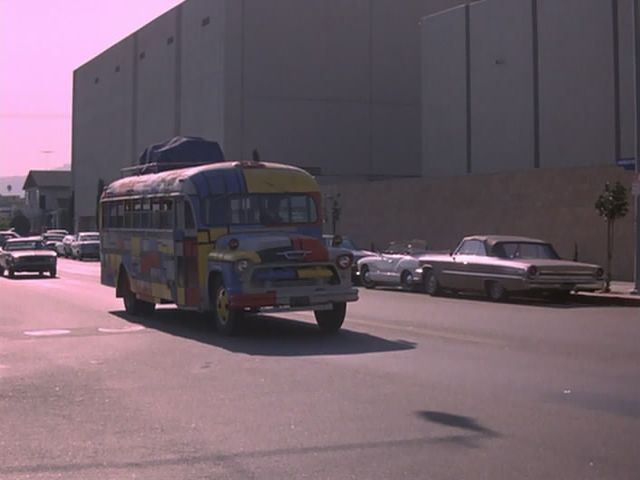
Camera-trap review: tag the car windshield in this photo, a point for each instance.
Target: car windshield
(348, 244)
(525, 250)
(89, 238)
(25, 245)
(260, 209)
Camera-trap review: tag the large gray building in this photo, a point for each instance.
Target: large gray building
(330, 84)
(465, 99)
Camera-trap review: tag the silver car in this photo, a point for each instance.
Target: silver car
(86, 245)
(397, 265)
(500, 265)
(27, 254)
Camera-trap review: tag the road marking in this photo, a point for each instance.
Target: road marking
(46, 333)
(132, 328)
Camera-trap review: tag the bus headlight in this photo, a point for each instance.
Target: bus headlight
(242, 265)
(344, 261)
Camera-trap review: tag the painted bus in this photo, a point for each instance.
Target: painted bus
(228, 238)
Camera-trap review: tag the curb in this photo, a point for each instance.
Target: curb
(611, 299)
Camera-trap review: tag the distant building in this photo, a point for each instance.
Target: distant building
(48, 199)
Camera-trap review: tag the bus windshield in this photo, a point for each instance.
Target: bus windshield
(260, 209)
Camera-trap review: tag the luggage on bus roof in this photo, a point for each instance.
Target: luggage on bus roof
(178, 152)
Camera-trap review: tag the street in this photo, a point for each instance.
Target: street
(412, 387)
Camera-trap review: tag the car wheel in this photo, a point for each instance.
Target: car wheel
(132, 304)
(226, 317)
(41, 274)
(12, 273)
(406, 280)
(330, 321)
(431, 283)
(1, 271)
(496, 291)
(53, 272)
(365, 277)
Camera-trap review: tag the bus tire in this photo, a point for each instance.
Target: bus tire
(226, 318)
(330, 321)
(132, 304)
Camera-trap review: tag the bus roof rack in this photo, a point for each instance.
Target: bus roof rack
(157, 168)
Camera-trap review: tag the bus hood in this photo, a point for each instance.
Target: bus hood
(275, 247)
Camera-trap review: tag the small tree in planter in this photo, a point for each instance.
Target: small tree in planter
(612, 204)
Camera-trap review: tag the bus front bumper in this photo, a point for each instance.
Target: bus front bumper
(286, 300)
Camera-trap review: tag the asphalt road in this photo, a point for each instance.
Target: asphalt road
(413, 387)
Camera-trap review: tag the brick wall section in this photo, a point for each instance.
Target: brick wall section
(553, 204)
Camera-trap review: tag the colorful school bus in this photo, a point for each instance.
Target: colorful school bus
(229, 238)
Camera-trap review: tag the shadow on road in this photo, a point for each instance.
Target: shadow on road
(476, 431)
(267, 335)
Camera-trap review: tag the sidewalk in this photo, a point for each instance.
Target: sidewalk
(620, 294)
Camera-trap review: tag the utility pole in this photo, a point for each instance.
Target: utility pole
(636, 198)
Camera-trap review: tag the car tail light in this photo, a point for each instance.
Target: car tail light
(344, 261)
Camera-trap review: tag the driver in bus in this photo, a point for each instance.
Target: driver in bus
(270, 211)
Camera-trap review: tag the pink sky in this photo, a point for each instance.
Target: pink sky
(41, 43)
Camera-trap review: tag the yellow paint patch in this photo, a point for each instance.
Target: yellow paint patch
(203, 237)
(135, 246)
(216, 233)
(181, 297)
(278, 180)
(233, 256)
(314, 272)
(165, 248)
(161, 291)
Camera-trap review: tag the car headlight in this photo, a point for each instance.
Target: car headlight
(242, 265)
(532, 271)
(599, 273)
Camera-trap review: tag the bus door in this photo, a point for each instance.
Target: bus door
(186, 252)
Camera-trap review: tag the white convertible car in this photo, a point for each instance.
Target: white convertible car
(397, 265)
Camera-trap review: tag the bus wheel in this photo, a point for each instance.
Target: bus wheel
(132, 304)
(330, 321)
(226, 317)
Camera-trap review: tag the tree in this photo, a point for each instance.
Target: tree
(612, 204)
(20, 223)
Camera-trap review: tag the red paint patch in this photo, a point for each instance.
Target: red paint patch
(192, 296)
(319, 252)
(253, 300)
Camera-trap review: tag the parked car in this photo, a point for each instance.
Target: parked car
(347, 243)
(58, 231)
(53, 241)
(66, 244)
(6, 235)
(86, 245)
(501, 265)
(396, 265)
(27, 254)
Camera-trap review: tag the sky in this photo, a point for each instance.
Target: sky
(41, 43)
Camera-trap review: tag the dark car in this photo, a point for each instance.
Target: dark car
(28, 254)
(6, 235)
(499, 265)
(348, 244)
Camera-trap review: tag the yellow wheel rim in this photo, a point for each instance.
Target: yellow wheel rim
(222, 305)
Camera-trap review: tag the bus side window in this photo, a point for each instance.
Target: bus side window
(166, 214)
(128, 213)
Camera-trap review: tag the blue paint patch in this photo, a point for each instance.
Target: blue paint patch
(272, 274)
(216, 181)
(231, 278)
(202, 187)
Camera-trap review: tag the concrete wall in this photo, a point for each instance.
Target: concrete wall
(502, 101)
(576, 83)
(556, 204)
(550, 84)
(444, 94)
